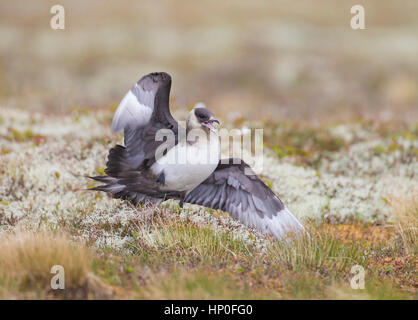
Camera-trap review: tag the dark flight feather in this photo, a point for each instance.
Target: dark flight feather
(246, 198)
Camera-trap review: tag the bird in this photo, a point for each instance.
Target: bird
(162, 160)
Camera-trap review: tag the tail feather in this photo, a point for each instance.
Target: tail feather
(116, 182)
(117, 162)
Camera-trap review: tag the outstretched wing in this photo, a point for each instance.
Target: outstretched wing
(142, 112)
(246, 198)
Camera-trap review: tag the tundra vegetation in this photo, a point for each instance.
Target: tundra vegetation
(339, 112)
(353, 185)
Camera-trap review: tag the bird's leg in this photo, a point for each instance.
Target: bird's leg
(181, 203)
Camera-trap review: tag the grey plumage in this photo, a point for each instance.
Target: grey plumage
(246, 198)
(136, 185)
(134, 174)
(145, 111)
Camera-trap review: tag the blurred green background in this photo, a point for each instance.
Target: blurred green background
(278, 60)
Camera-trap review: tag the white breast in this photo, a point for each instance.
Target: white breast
(186, 165)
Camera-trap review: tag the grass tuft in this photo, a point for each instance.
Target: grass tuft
(26, 259)
(406, 214)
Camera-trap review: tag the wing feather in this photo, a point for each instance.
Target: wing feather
(135, 109)
(142, 112)
(247, 199)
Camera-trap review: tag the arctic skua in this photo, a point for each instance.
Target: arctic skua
(161, 160)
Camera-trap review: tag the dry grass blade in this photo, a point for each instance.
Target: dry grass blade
(406, 215)
(26, 259)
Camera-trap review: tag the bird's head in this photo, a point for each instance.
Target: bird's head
(201, 118)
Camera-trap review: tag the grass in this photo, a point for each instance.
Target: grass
(172, 257)
(186, 261)
(340, 135)
(111, 250)
(26, 259)
(406, 212)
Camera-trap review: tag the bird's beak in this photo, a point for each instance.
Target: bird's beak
(209, 124)
(212, 119)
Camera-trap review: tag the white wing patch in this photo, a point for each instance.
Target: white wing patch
(134, 110)
(282, 225)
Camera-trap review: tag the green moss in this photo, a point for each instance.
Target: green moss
(379, 149)
(25, 136)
